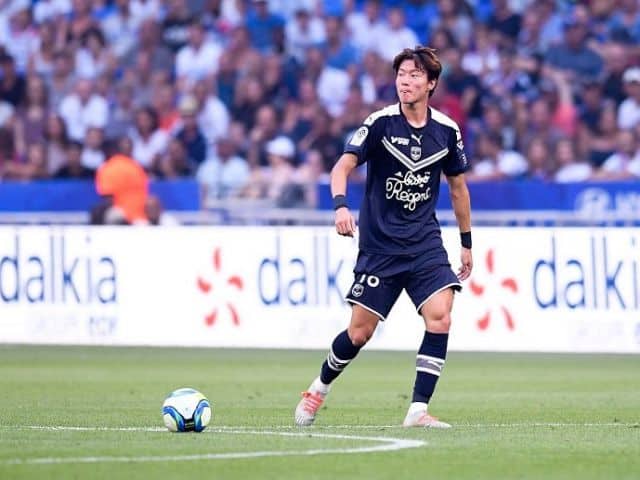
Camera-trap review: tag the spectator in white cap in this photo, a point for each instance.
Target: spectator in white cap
(629, 110)
(269, 182)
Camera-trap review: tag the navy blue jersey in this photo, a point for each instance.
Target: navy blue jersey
(404, 163)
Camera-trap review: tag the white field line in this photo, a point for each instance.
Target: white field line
(315, 428)
(386, 445)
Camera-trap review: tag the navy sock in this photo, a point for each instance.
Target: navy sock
(341, 353)
(429, 363)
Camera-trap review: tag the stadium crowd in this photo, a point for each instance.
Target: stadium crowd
(255, 99)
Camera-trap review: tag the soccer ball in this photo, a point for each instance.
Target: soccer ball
(186, 410)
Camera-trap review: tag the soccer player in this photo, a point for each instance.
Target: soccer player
(407, 146)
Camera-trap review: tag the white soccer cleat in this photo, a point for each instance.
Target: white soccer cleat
(423, 419)
(307, 408)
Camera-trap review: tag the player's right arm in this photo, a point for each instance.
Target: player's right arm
(344, 221)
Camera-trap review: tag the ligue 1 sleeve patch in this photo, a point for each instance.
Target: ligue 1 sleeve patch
(359, 136)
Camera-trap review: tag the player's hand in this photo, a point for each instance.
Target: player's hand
(345, 223)
(466, 266)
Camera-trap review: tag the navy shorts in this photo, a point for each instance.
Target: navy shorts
(379, 280)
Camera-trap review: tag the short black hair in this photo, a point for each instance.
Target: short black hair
(425, 59)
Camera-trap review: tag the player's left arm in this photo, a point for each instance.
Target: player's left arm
(461, 202)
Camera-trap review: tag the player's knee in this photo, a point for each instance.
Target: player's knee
(439, 323)
(360, 336)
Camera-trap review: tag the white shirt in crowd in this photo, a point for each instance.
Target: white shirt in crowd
(508, 163)
(364, 34)
(575, 172)
(221, 180)
(195, 64)
(144, 151)
(628, 114)
(333, 89)
(298, 40)
(50, 9)
(389, 42)
(78, 116)
(144, 9)
(91, 158)
(621, 163)
(214, 119)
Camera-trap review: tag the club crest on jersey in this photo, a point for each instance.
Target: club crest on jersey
(416, 152)
(359, 136)
(357, 290)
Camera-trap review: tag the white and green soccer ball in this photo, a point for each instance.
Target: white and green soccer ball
(186, 410)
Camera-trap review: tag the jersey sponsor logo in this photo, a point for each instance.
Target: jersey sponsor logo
(358, 138)
(409, 189)
(400, 140)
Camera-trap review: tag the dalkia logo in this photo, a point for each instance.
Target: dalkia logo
(508, 284)
(219, 292)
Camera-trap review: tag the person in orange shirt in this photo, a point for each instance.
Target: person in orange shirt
(125, 182)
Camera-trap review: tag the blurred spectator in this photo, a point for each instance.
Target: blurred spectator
(266, 29)
(303, 31)
(83, 109)
(149, 141)
(93, 152)
(332, 84)
(164, 103)
(223, 175)
(21, 38)
(364, 26)
(73, 169)
(125, 184)
(47, 10)
(338, 50)
(494, 162)
(461, 83)
(570, 166)
(149, 41)
(482, 56)
(596, 146)
(322, 139)
(80, 21)
(394, 35)
(539, 158)
(616, 57)
(156, 215)
(624, 24)
(33, 167)
(574, 55)
(213, 115)
(629, 111)
(92, 58)
(176, 23)
(13, 84)
(41, 61)
(120, 27)
(31, 118)
(121, 112)
(624, 162)
(265, 130)
(174, 162)
(198, 59)
(55, 135)
(453, 16)
(270, 182)
(505, 22)
(189, 133)
(62, 80)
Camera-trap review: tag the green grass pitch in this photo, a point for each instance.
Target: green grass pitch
(515, 416)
